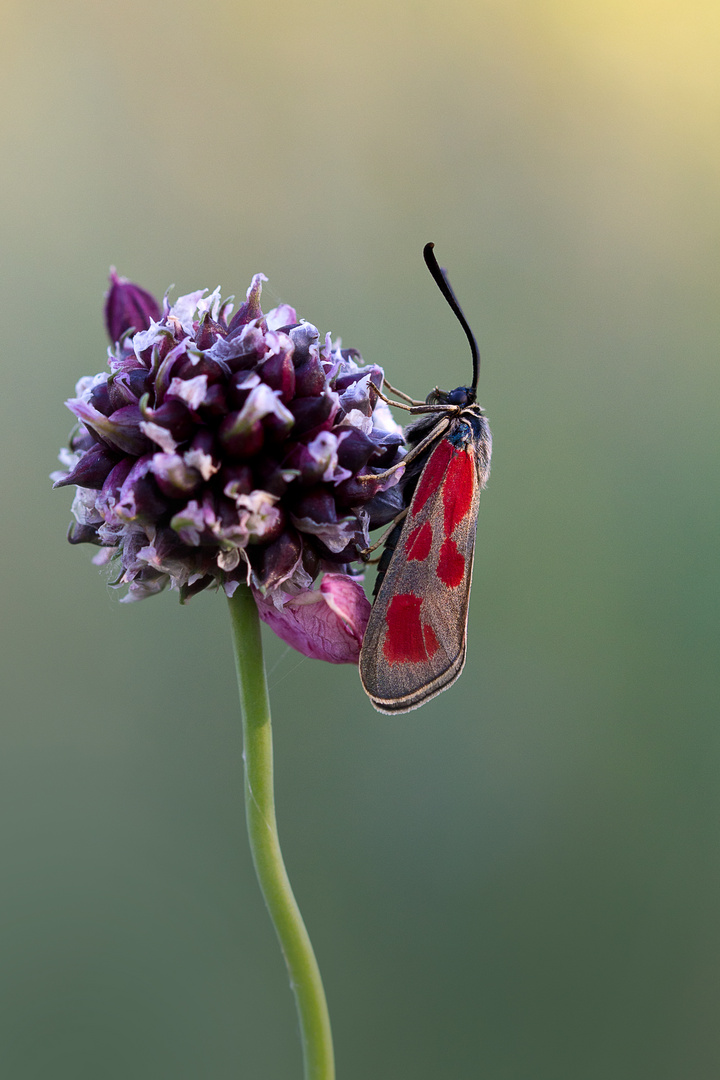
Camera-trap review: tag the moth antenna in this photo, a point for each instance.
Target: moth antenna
(441, 280)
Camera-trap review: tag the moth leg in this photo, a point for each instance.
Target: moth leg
(373, 547)
(384, 475)
(389, 401)
(424, 408)
(436, 432)
(400, 394)
(417, 406)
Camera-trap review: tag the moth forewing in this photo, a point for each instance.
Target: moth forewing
(414, 645)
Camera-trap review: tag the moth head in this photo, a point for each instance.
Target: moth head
(461, 396)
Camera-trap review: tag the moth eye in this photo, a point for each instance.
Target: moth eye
(458, 397)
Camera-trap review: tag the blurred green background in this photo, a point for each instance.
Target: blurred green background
(522, 879)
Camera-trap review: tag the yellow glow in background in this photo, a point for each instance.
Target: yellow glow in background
(521, 879)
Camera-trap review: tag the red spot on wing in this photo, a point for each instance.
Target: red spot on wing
(406, 640)
(458, 490)
(431, 642)
(419, 542)
(451, 564)
(433, 474)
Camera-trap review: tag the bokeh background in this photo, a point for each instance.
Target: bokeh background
(521, 880)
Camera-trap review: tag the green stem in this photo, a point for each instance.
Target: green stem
(264, 843)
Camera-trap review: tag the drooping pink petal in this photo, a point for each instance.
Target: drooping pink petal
(326, 623)
(346, 597)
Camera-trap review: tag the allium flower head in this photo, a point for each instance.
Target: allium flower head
(221, 449)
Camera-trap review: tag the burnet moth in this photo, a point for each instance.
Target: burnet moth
(415, 643)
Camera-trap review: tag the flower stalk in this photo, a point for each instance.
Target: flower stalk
(297, 949)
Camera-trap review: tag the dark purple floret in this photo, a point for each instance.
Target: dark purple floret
(128, 307)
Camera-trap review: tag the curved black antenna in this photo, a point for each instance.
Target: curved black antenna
(441, 280)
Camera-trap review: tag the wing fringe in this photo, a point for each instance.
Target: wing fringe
(408, 702)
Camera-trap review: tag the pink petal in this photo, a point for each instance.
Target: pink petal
(282, 315)
(326, 623)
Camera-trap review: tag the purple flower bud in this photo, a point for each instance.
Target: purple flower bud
(137, 381)
(139, 500)
(215, 403)
(121, 431)
(100, 399)
(240, 437)
(387, 450)
(310, 377)
(128, 306)
(193, 364)
(318, 458)
(312, 564)
(270, 528)
(304, 336)
(273, 477)
(92, 469)
(250, 310)
(308, 467)
(121, 390)
(239, 387)
(197, 523)
(110, 493)
(311, 413)
(81, 439)
(173, 415)
(384, 507)
(145, 582)
(277, 427)
(174, 476)
(336, 559)
(238, 478)
(188, 591)
(355, 491)
(241, 352)
(279, 374)
(242, 432)
(163, 368)
(355, 450)
(202, 454)
(360, 395)
(337, 541)
(208, 332)
(346, 379)
(117, 476)
(279, 560)
(83, 534)
(318, 505)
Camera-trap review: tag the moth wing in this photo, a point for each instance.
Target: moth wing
(414, 645)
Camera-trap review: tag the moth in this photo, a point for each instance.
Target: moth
(416, 640)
